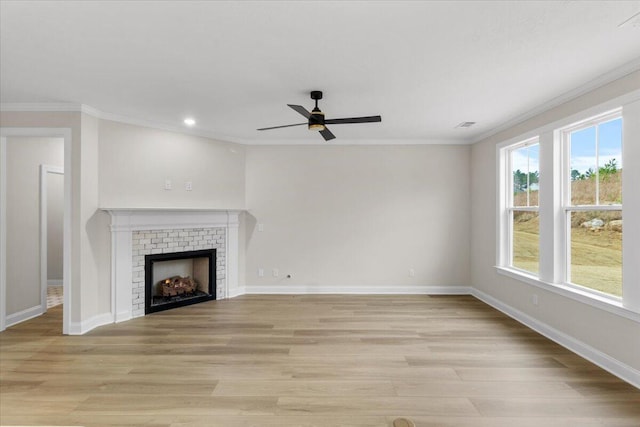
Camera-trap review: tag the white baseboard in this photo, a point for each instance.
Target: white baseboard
(54, 282)
(79, 328)
(236, 292)
(603, 360)
(123, 316)
(26, 314)
(357, 290)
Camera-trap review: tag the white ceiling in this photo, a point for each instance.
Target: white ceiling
(233, 66)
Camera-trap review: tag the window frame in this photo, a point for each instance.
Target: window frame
(552, 216)
(568, 208)
(510, 206)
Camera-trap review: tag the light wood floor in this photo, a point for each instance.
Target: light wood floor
(306, 361)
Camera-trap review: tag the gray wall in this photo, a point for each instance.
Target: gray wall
(24, 157)
(358, 216)
(135, 161)
(605, 332)
(55, 216)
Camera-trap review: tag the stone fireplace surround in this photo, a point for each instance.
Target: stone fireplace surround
(139, 232)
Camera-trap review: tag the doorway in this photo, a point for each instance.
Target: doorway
(51, 235)
(19, 303)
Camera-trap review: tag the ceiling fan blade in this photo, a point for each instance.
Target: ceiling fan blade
(300, 109)
(327, 135)
(284, 126)
(368, 119)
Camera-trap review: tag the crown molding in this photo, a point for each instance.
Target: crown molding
(342, 141)
(600, 81)
(87, 109)
(591, 85)
(60, 107)
(161, 126)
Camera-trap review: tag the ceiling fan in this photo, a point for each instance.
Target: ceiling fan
(316, 120)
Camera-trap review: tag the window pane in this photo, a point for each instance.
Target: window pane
(610, 162)
(526, 241)
(583, 166)
(525, 172)
(596, 250)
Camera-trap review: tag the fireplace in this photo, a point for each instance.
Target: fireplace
(136, 233)
(177, 279)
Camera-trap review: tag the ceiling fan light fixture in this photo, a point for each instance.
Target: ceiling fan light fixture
(316, 119)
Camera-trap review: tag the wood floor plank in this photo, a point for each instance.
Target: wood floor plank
(454, 406)
(424, 388)
(305, 388)
(310, 360)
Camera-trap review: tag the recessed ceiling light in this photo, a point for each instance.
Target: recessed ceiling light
(189, 121)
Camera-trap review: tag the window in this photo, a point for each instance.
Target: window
(592, 203)
(560, 208)
(522, 205)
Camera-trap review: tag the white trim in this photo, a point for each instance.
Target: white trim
(80, 328)
(3, 232)
(586, 208)
(603, 360)
(62, 107)
(631, 197)
(590, 86)
(64, 133)
(505, 206)
(357, 290)
(26, 314)
(563, 232)
(180, 128)
(54, 282)
(314, 140)
(577, 293)
(44, 280)
(236, 292)
(575, 118)
(555, 187)
(125, 221)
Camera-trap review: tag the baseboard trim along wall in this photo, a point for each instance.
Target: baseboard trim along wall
(357, 290)
(26, 314)
(606, 362)
(79, 328)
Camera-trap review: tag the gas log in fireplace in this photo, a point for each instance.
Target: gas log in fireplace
(178, 279)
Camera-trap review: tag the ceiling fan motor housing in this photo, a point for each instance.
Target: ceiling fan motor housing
(316, 119)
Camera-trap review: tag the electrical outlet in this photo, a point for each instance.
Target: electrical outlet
(167, 184)
(276, 272)
(261, 272)
(260, 227)
(534, 299)
(412, 272)
(188, 186)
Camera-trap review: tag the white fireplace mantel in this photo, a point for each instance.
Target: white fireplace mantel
(125, 221)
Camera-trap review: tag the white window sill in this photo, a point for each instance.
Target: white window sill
(610, 304)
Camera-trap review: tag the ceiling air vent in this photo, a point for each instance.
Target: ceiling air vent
(465, 125)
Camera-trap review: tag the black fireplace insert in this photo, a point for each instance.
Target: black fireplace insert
(178, 279)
